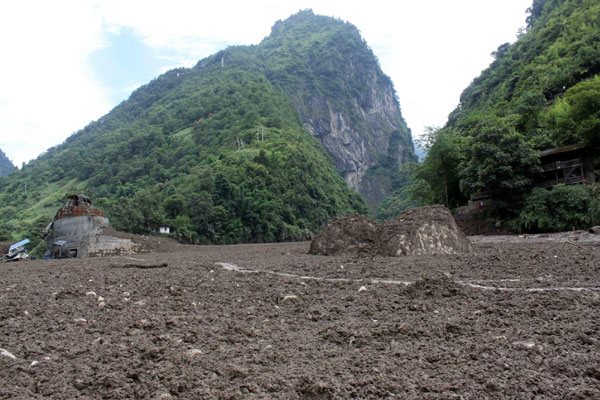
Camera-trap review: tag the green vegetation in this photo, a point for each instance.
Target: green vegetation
(541, 92)
(6, 166)
(218, 152)
(560, 209)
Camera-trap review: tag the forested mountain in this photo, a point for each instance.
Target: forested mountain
(6, 166)
(541, 92)
(228, 151)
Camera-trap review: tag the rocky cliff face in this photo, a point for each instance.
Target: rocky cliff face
(345, 100)
(355, 145)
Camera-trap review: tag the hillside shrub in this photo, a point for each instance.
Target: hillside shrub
(561, 209)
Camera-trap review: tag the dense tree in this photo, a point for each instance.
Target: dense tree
(540, 92)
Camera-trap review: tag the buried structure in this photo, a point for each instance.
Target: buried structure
(77, 231)
(420, 231)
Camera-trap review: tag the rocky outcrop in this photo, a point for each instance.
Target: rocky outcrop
(361, 134)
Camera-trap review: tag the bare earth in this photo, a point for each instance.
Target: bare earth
(516, 319)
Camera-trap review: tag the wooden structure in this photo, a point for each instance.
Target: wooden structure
(568, 165)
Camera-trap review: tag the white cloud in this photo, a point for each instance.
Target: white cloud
(47, 91)
(431, 49)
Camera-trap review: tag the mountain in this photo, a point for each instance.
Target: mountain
(343, 98)
(541, 92)
(255, 143)
(6, 166)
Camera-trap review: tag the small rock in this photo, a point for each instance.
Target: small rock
(102, 304)
(100, 299)
(524, 343)
(80, 320)
(34, 363)
(91, 293)
(362, 289)
(290, 297)
(8, 354)
(194, 352)
(80, 384)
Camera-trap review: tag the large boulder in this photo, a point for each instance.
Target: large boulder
(422, 231)
(350, 235)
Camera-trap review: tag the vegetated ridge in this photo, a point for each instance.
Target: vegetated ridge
(541, 92)
(228, 151)
(6, 166)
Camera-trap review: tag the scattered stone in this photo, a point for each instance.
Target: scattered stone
(290, 297)
(91, 293)
(528, 344)
(8, 354)
(34, 363)
(80, 384)
(194, 352)
(362, 289)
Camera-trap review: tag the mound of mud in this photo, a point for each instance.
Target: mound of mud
(421, 231)
(350, 235)
(4, 246)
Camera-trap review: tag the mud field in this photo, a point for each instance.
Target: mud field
(514, 319)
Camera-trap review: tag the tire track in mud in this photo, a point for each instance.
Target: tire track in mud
(474, 284)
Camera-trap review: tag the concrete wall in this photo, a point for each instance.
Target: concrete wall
(84, 235)
(77, 226)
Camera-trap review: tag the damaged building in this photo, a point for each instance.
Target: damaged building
(78, 230)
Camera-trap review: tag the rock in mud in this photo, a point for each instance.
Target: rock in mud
(420, 231)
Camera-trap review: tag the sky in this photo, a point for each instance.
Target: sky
(67, 63)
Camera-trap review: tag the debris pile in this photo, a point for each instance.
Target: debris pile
(17, 251)
(420, 231)
(351, 235)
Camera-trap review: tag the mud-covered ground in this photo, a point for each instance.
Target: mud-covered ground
(512, 320)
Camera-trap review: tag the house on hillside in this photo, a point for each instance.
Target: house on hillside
(568, 165)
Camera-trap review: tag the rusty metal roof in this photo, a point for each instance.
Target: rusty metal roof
(564, 149)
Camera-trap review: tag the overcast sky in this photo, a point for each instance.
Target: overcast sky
(67, 63)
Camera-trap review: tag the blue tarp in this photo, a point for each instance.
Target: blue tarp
(17, 245)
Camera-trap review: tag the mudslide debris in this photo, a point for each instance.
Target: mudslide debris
(420, 231)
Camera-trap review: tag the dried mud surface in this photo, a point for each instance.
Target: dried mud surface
(515, 320)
